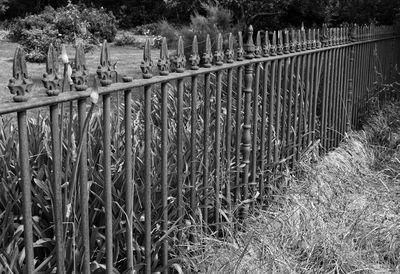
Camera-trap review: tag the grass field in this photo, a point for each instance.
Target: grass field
(128, 60)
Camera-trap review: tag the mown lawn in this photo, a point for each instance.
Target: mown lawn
(128, 60)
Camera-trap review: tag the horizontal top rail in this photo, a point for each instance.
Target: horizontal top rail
(43, 97)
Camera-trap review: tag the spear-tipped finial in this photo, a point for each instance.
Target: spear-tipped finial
(194, 58)
(286, 41)
(325, 35)
(147, 64)
(303, 39)
(105, 71)
(20, 84)
(80, 74)
(318, 39)
(273, 48)
(249, 47)
(258, 49)
(219, 53)
(179, 60)
(313, 39)
(292, 43)
(163, 62)
(229, 53)
(240, 49)
(51, 80)
(279, 46)
(298, 42)
(207, 55)
(266, 46)
(309, 39)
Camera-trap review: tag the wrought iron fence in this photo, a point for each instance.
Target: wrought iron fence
(202, 141)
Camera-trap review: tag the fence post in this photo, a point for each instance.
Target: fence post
(246, 135)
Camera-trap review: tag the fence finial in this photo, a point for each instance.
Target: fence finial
(229, 53)
(313, 39)
(105, 71)
(219, 53)
(249, 47)
(147, 64)
(163, 62)
(258, 49)
(309, 39)
(80, 73)
(318, 39)
(325, 35)
(207, 55)
(292, 43)
(303, 39)
(279, 46)
(179, 60)
(298, 42)
(267, 45)
(20, 84)
(51, 80)
(286, 41)
(194, 58)
(273, 44)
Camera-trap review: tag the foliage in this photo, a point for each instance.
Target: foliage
(64, 25)
(147, 29)
(125, 38)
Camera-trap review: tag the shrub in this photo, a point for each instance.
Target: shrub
(67, 24)
(125, 38)
(147, 29)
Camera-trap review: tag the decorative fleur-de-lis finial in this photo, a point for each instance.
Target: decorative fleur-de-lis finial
(20, 84)
(258, 49)
(286, 41)
(325, 35)
(229, 53)
(194, 58)
(79, 72)
(292, 43)
(207, 55)
(240, 49)
(303, 39)
(266, 46)
(309, 39)
(147, 64)
(163, 62)
(106, 71)
(249, 47)
(313, 40)
(318, 39)
(51, 80)
(219, 53)
(279, 46)
(179, 60)
(298, 42)
(273, 44)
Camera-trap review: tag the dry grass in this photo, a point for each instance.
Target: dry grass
(339, 215)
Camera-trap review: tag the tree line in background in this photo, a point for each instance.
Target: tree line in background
(272, 13)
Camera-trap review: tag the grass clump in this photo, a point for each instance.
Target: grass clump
(338, 215)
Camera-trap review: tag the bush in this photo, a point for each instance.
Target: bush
(147, 29)
(125, 38)
(67, 24)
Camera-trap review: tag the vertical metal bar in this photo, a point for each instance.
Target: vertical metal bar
(83, 183)
(229, 140)
(338, 97)
(317, 81)
(296, 108)
(261, 185)
(290, 107)
(148, 177)
(301, 107)
(128, 178)
(193, 143)
(254, 163)
(285, 91)
(26, 191)
(164, 170)
(180, 147)
(217, 185)
(107, 180)
(271, 120)
(325, 90)
(278, 141)
(313, 88)
(206, 159)
(57, 173)
(306, 101)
